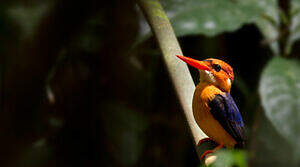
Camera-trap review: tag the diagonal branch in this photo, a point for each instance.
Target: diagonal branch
(178, 70)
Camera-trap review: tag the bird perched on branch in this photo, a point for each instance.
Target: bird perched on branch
(213, 107)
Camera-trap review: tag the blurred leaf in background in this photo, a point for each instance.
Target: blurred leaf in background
(280, 94)
(268, 23)
(28, 16)
(210, 17)
(295, 22)
(268, 147)
(193, 17)
(230, 158)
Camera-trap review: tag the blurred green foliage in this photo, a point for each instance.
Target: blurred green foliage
(265, 150)
(28, 17)
(231, 158)
(280, 94)
(213, 17)
(75, 92)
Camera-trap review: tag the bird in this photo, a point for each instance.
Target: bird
(214, 109)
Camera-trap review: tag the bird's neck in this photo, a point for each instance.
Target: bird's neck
(206, 91)
(203, 84)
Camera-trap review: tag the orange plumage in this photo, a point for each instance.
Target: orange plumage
(210, 126)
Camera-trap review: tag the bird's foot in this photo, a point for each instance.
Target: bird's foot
(211, 151)
(204, 140)
(205, 153)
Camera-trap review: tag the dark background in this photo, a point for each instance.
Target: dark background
(75, 92)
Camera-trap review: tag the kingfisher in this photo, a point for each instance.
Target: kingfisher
(213, 107)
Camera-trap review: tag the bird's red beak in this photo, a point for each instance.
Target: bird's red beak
(201, 65)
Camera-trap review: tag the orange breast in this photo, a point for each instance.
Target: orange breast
(209, 125)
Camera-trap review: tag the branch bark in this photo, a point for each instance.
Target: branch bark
(178, 70)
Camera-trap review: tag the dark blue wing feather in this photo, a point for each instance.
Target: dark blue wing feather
(225, 111)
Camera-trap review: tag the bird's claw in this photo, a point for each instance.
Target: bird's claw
(205, 153)
(204, 140)
(211, 151)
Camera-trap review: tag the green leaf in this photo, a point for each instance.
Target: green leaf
(270, 20)
(209, 17)
(231, 158)
(212, 17)
(28, 17)
(264, 145)
(279, 90)
(268, 23)
(295, 21)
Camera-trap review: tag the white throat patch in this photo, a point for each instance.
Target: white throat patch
(229, 82)
(210, 76)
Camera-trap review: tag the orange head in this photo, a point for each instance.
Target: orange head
(212, 71)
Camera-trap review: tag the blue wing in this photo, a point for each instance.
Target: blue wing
(225, 111)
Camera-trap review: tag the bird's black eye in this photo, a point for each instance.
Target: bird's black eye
(217, 67)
